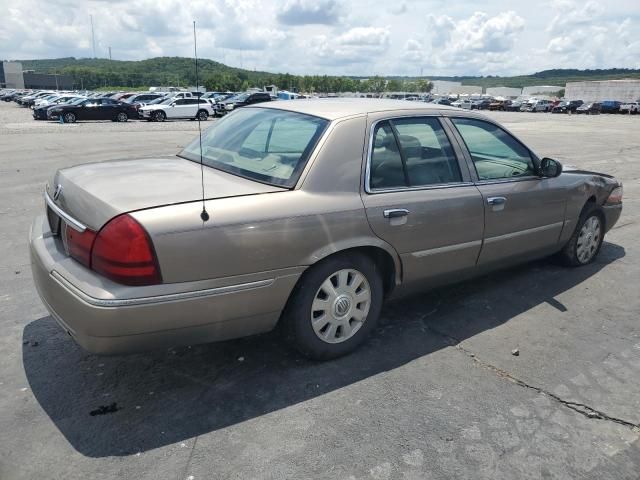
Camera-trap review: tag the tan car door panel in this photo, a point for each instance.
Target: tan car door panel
(440, 233)
(521, 217)
(419, 200)
(524, 213)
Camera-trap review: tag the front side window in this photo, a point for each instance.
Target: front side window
(412, 152)
(495, 153)
(267, 145)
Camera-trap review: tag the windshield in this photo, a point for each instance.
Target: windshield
(240, 98)
(266, 145)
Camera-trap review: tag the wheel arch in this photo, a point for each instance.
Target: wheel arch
(383, 255)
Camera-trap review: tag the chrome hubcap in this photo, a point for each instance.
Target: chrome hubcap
(588, 239)
(340, 306)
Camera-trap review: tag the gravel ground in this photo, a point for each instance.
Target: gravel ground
(435, 394)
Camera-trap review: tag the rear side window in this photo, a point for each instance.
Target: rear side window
(412, 152)
(495, 153)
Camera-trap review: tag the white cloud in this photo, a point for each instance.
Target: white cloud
(478, 43)
(359, 37)
(306, 12)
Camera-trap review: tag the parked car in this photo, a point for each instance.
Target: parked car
(241, 100)
(442, 101)
(94, 109)
(499, 104)
(174, 108)
(143, 98)
(126, 257)
(28, 100)
(630, 107)
(589, 108)
(482, 104)
(42, 112)
(567, 106)
(465, 104)
(514, 106)
(610, 106)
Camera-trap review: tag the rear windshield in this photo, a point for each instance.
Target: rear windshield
(266, 145)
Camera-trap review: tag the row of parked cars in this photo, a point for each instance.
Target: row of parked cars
(543, 105)
(69, 107)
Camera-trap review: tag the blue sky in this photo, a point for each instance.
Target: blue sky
(357, 37)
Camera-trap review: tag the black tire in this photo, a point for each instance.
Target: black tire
(569, 255)
(159, 116)
(69, 117)
(296, 320)
(202, 115)
(122, 117)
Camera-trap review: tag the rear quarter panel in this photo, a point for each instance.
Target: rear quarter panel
(266, 232)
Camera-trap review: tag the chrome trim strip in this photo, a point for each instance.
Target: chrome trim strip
(446, 249)
(520, 233)
(170, 297)
(72, 222)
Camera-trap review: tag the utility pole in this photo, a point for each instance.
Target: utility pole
(109, 53)
(93, 36)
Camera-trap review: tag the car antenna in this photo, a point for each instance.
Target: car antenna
(204, 215)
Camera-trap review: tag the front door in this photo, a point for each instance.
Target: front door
(524, 213)
(419, 198)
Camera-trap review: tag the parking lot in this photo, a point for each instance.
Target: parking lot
(436, 393)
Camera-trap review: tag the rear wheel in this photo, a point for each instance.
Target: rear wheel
(159, 116)
(69, 117)
(202, 115)
(122, 117)
(334, 307)
(586, 241)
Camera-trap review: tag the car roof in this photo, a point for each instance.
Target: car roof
(334, 108)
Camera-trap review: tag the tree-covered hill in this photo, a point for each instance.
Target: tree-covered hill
(179, 71)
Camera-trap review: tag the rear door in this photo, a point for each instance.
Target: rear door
(420, 199)
(524, 213)
(186, 108)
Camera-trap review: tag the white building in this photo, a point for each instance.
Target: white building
(544, 89)
(443, 87)
(466, 89)
(627, 90)
(506, 92)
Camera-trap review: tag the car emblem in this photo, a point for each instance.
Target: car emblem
(57, 192)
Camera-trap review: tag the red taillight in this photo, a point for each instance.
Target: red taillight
(123, 252)
(79, 244)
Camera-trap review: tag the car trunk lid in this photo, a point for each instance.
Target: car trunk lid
(94, 193)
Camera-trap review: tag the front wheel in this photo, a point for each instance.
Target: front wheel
(334, 307)
(122, 117)
(586, 241)
(202, 115)
(159, 116)
(69, 117)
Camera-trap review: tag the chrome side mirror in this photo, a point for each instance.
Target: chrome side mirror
(550, 168)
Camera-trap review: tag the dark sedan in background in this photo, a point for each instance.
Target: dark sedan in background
(565, 107)
(94, 109)
(593, 108)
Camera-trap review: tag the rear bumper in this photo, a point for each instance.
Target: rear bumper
(114, 322)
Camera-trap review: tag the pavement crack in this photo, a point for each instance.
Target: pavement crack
(581, 408)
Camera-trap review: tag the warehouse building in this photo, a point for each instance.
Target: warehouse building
(466, 90)
(12, 76)
(541, 89)
(443, 87)
(506, 92)
(598, 91)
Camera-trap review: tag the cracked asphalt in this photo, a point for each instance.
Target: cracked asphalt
(435, 394)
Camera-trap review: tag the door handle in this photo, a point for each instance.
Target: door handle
(395, 213)
(496, 200)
